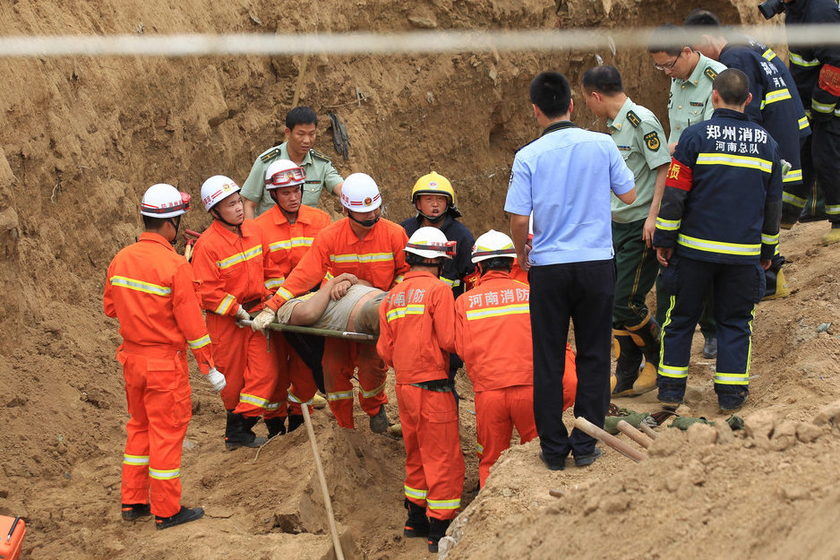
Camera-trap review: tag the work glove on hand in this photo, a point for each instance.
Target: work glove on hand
(242, 315)
(216, 379)
(261, 321)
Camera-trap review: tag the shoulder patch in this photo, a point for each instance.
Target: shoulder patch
(633, 119)
(711, 74)
(268, 156)
(652, 141)
(319, 155)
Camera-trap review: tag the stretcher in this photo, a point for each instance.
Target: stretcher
(347, 335)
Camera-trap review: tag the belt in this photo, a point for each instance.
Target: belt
(438, 385)
(250, 305)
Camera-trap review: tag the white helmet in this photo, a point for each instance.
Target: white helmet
(217, 188)
(359, 193)
(284, 173)
(492, 244)
(164, 201)
(429, 243)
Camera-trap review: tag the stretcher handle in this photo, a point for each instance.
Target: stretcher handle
(348, 335)
(12, 530)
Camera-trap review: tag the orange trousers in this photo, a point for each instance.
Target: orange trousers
(303, 383)
(157, 389)
(257, 380)
(341, 357)
(434, 466)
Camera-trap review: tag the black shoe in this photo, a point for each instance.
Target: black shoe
(184, 516)
(732, 402)
(552, 465)
(379, 422)
(276, 426)
(417, 524)
(588, 459)
(437, 529)
(710, 348)
(295, 422)
(238, 432)
(133, 512)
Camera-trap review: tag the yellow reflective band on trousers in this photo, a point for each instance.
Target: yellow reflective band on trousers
(169, 474)
(799, 61)
(832, 209)
(515, 309)
(668, 225)
(240, 257)
(415, 493)
(199, 343)
(139, 286)
(372, 392)
(224, 305)
(343, 395)
(256, 401)
(732, 378)
(794, 200)
(731, 160)
(444, 504)
(401, 312)
(674, 372)
(292, 398)
(136, 460)
(720, 247)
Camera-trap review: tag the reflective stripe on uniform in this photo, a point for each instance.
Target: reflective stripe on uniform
(479, 448)
(199, 342)
(371, 393)
(451, 283)
(168, 474)
(272, 283)
(774, 96)
(294, 399)
(444, 504)
(284, 293)
(667, 225)
(719, 246)
(224, 306)
(803, 123)
(832, 209)
(675, 372)
(287, 244)
(343, 395)
(794, 200)
(822, 107)
(399, 279)
(239, 257)
(770, 239)
(735, 161)
(793, 176)
(768, 54)
(515, 309)
(136, 460)
(415, 493)
(256, 401)
(401, 312)
(140, 286)
(363, 258)
(732, 378)
(799, 61)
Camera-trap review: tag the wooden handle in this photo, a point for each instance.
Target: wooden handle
(648, 431)
(634, 434)
(589, 428)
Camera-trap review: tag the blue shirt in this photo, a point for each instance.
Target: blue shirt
(565, 177)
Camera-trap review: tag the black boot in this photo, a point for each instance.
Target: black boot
(185, 515)
(276, 426)
(295, 421)
(646, 335)
(417, 524)
(238, 432)
(437, 529)
(627, 364)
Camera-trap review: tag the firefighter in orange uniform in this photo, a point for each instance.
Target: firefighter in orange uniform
(228, 260)
(289, 228)
(416, 336)
(373, 250)
(502, 374)
(151, 290)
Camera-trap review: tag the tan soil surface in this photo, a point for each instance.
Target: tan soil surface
(82, 138)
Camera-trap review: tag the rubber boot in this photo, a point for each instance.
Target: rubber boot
(238, 433)
(647, 338)
(417, 524)
(379, 421)
(276, 426)
(777, 287)
(629, 358)
(437, 529)
(832, 236)
(295, 422)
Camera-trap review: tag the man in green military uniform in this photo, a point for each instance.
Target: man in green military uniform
(640, 140)
(690, 102)
(301, 130)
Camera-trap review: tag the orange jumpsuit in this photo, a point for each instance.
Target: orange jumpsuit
(416, 336)
(230, 269)
(379, 259)
(502, 374)
(287, 244)
(151, 290)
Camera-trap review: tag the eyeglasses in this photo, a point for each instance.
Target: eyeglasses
(667, 66)
(287, 177)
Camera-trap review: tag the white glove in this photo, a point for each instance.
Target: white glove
(216, 379)
(261, 321)
(242, 315)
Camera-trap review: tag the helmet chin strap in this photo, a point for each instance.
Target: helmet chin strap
(176, 223)
(216, 214)
(433, 219)
(365, 223)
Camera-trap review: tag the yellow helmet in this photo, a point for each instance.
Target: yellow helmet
(433, 184)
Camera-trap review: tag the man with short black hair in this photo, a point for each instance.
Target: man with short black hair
(300, 132)
(565, 178)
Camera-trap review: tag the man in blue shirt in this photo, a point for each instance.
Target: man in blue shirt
(565, 178)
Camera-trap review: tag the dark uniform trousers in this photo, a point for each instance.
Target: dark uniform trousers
(820, 165)
(583, 292)
(737, 288)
